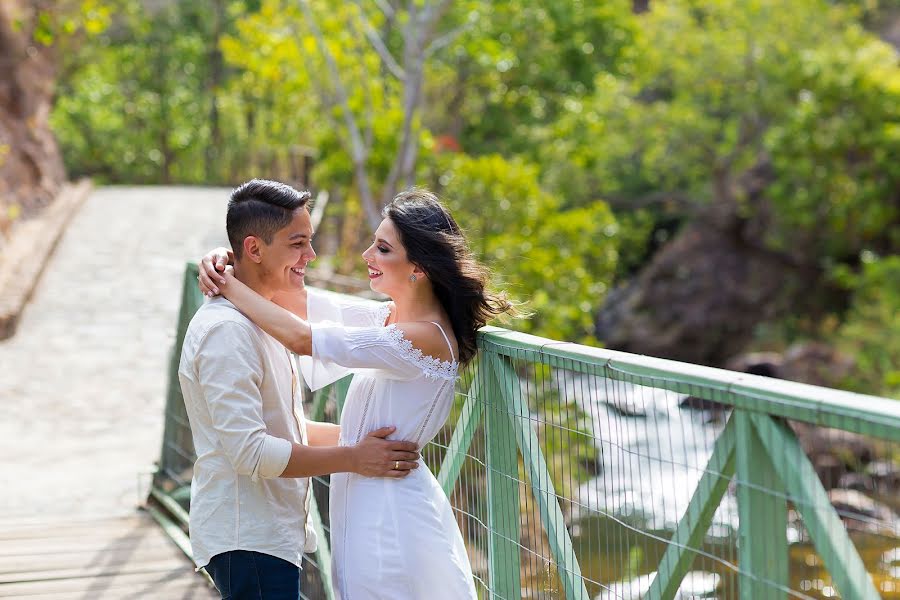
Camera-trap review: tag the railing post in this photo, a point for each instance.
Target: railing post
(463, 432)
(503, 487)
(552, 520)
(828, 533)
(191, 301)
(762, 509)
(695, 522)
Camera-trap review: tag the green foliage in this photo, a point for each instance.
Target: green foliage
(719, 88)
(554, 112)
(871, 331)
(718, 84)
(835, 147)
(129, 110)
(500, 84)
(556, 260)
(69, 19)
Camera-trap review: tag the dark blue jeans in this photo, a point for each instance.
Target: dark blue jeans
(246, 575)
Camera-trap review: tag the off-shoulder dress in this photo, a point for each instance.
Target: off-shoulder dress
(391, 538)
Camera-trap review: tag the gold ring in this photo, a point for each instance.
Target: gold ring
(396, 465)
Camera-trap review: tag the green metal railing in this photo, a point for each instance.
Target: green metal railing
(577, 472)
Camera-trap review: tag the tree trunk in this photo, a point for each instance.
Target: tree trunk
(31, 168)
(216, 74)
(405, 161)
(640, 6)
(359, 153)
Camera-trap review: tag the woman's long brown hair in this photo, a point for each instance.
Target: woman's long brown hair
(435, 243)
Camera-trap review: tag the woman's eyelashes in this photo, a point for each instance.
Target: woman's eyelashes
(382, 249)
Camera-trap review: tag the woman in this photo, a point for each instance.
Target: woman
(395, 538)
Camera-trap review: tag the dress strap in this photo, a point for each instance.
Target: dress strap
(446, 339)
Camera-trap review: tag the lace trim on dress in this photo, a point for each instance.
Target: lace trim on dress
(382, 313)
(433, 368)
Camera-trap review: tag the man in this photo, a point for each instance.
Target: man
(250, 492)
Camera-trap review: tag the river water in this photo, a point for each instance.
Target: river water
(651, 454)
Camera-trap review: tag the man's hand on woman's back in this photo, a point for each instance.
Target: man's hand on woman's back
(377, 456)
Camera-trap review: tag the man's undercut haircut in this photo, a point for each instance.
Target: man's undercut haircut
(261, 208)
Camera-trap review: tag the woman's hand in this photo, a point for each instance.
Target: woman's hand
(228, 282)
(211, 268)
(286, 327)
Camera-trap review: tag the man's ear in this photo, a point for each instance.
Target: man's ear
(253, 248)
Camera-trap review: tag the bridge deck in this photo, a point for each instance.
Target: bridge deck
(82, 390)
(117, 557)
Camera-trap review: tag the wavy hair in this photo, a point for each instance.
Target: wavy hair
(435, 243)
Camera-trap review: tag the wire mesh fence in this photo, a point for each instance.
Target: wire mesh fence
(582, 473)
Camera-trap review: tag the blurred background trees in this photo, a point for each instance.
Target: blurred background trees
(687, 178)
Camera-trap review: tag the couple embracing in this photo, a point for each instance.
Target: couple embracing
(393, 533)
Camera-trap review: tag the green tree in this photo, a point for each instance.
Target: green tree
(722, 88)
(870, 332)
(129, 109)
(557, 261)
(507, 76)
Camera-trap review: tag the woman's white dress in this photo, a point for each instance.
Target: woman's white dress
(390, 538)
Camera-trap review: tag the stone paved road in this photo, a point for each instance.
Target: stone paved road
(82, 383)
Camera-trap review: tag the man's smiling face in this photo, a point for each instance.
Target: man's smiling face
(284, 260)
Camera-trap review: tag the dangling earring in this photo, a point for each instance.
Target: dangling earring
(412, 278)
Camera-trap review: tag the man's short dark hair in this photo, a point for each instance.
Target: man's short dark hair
(260, 208)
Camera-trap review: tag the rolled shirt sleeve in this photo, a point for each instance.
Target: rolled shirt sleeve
(230, 371)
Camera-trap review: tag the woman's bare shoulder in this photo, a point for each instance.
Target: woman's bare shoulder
(427, 338)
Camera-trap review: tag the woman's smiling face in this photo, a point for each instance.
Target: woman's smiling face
(389, 268)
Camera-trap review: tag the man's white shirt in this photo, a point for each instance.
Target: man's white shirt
(244, 404)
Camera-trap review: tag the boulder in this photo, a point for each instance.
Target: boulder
(863, 514)
(815, 363)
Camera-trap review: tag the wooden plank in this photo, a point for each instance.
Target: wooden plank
(58, 537)
(8, 523)
(21, 564)
(153, 584)
(96, 558)
(51, 543)
(57, 531)
(23, 548)
(106, 532)
(167, 589)
(124, 568)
